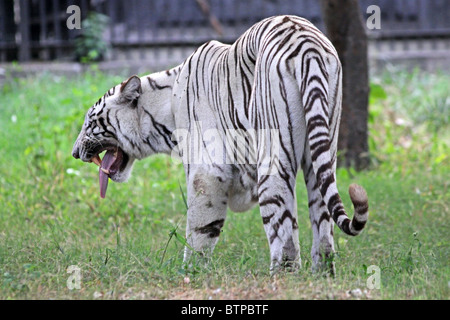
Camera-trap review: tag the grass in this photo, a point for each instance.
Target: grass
(130, 245)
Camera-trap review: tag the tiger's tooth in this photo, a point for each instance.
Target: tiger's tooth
(97, 160)
(104, 170)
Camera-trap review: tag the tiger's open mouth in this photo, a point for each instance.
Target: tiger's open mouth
(113, 162)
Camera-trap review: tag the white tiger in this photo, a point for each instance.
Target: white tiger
(282, 77)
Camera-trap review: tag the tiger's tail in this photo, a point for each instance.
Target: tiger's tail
(322, 107)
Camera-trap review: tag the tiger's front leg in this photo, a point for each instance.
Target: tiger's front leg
(279, 214)
(207, 208)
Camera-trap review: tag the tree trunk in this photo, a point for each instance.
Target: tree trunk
(345, 28)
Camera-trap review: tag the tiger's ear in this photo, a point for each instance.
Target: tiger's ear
(130, 89)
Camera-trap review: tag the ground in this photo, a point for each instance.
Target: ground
(130, 245)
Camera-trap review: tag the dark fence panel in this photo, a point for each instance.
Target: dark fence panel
(8, 46)
(39, 31)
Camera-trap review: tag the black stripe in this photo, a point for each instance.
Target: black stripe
(287, 215)
(319, 134)
(314, 94)
(261, 192)
(154, 85)
(358, 225)
(276, 226)
(104, 127)
(323, 142)
(312, 202)
(317, 120)
(326, 184)
(332, 202)
(318, 152)
(322, 169)
(212, 229)
(361, 208)
(277, 200)
(345, 226)
(266, 220)
(324, 216)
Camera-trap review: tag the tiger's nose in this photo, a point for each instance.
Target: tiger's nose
(75, 153)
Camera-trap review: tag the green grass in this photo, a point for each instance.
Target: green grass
(130, 245)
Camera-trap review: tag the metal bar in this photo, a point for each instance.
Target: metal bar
(424, 15)
(112, 10)
(138, 7)
(8, 46)
(171, 42)
(3, 37)
(126, 23)
(43, 28)
(84, 8)
(2, 21)
(410, 34)
(57, 25)
(54, 44)
(154, 16)
(24, 29)
(42, 21)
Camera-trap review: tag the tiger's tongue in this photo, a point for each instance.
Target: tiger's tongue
(108, 160)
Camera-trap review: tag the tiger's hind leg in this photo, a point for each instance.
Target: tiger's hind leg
(279, 214)
(278, 153)
(322, 225)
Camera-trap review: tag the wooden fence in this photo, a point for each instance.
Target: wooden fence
(36, 29)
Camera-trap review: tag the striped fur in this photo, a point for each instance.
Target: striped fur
(281, 75)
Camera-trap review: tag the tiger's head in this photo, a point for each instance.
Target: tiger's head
(112, 125)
